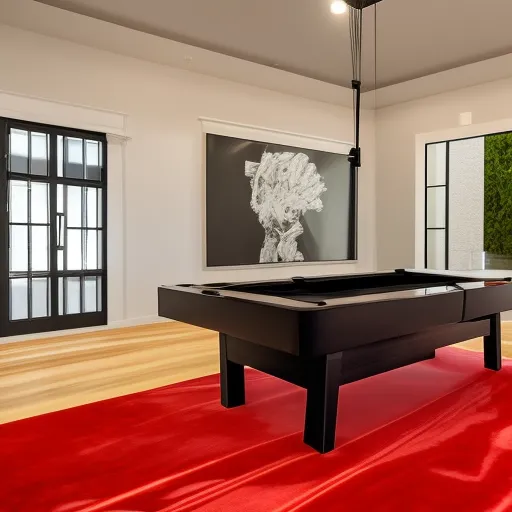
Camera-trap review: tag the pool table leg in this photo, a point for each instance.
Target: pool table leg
(322, 403)
(232, 381)
(492, 344)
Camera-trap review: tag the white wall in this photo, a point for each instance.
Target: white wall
(399, 188)
(163, 160)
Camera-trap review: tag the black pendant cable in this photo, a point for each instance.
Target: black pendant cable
(356, 8)
(356, 34)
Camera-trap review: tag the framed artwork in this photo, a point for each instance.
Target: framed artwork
(269, 203)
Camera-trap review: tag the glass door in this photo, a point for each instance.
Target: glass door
(53, 230)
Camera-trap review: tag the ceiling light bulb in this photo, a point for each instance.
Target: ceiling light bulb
(338, 7)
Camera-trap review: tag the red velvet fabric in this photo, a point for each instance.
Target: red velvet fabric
(434, 436)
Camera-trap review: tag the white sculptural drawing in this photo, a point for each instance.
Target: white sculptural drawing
(284, 186)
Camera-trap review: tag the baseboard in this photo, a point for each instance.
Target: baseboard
(131, 322)
(153, 319)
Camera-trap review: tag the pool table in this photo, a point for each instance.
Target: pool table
(323, 332)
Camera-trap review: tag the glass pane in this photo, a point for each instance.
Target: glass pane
(74, 206)
(72, 295)
(39, 203)
(19, 299)
(74, 248)
(436, 257)
(99, 293)
(60, 155)
(60, 231)
(39, 248)
(436, 207)
(90, 294)
(471, 204)
(100, 206)
(39, 154)
(60, 198)
(75, 151)
(61, 295)
(60, 259)
(39, 297)
(74, 165)
(93, 153)
(436, 164)
(91, 250)
(100, 249)
(18, 261)
(18, 202)
(19, 151)
(490, 261)
(93, 170)
(91, 207)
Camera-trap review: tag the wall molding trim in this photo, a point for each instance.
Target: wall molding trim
(117, 139)
(273, 135)
(46, 111)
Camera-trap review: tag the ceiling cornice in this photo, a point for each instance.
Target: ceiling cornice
(58, 23)
(471, 75)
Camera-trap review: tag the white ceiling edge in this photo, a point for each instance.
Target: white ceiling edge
(62, 24)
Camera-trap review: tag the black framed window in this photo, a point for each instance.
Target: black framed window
(437, 205)
(53, 230)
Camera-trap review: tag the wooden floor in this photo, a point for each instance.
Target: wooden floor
(56, 373)
(51, 374)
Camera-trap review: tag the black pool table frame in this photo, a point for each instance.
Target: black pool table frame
(324, 344)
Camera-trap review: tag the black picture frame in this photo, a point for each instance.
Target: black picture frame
(227, 209)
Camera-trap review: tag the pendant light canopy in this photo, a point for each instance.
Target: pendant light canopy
(361, 4)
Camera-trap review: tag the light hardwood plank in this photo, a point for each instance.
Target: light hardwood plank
(506, 341)
(50, 374)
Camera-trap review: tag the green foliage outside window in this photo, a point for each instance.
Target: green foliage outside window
(498, 195)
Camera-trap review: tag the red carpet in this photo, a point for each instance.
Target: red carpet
(430, 437)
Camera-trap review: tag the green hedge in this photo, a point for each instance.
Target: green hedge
(498, 194)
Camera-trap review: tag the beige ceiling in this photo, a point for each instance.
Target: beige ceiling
(414, 37)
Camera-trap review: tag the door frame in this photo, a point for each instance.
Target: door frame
(50, 110)
(54, 321)
(422, 139)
